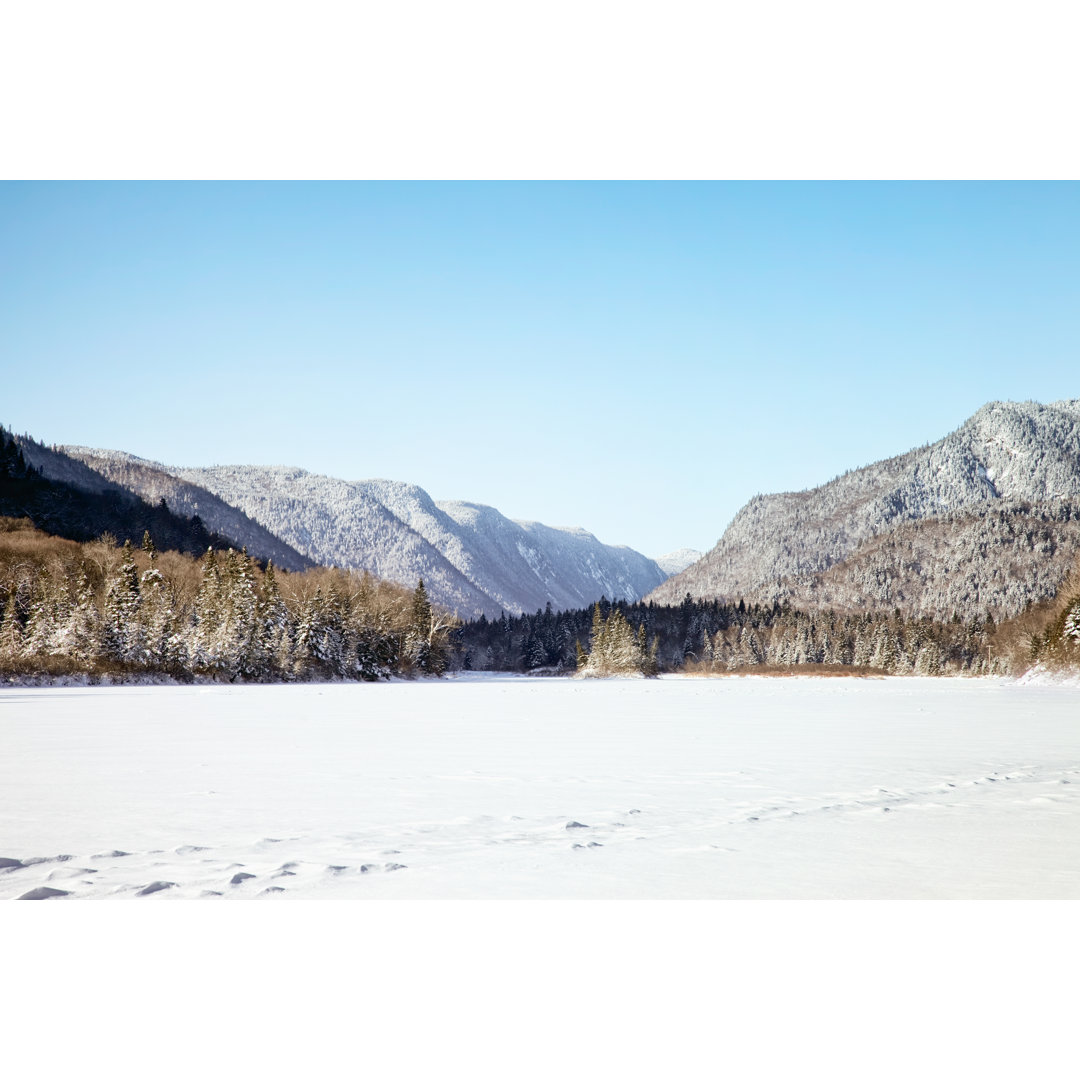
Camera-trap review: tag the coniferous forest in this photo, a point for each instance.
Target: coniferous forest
(710, 637)
(105, 610)
(123, 612)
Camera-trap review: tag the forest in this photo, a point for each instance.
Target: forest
(123, 613)
(710, 637)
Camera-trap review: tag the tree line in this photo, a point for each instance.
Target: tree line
(710, 636)
(101, 609)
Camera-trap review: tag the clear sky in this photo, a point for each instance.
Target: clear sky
(635, 358)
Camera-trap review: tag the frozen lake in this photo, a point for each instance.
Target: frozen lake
(500, 787)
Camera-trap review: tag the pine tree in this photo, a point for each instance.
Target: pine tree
(208, 615)
(120, 631)
(1071, 624)
(85, 626)
(241, 638)
(425, 648)
(884, 655)
(616, 649)
(162, 647)
(272, 617)
(416, 642)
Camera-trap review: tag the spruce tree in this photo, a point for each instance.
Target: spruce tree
(418, 641)
(85, 626)
(120, 632)
(208, 615)
(272, 617)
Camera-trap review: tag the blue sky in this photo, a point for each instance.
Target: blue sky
(636, 358)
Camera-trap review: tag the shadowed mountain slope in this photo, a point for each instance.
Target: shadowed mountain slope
(64, 498)
(152, 482)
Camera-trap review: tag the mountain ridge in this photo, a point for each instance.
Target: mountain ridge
(471, 557)
(1007, 454)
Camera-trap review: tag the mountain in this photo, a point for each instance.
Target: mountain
(63, 497)
(471, 558)
(675, 562)
(152, 482)
(986, 518)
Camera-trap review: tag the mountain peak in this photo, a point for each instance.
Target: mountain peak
(1006, 453)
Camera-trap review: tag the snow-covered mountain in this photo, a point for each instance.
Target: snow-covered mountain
(675, 562)
(110, 469)
(472, 559)
(828, 545)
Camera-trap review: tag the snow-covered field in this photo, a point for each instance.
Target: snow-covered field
(501, 787)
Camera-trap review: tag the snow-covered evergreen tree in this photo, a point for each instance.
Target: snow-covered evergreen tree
(121, 630)
(616, 649)
(208, 616)
(273, 656)
(1071, 627)
(84, 632)
(162, 642)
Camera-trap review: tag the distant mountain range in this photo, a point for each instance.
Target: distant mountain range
(471, 558)
(986, 519)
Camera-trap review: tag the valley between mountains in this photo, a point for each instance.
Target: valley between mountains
(986, 520)
(908, 564)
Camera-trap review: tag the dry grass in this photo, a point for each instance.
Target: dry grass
(788, 671)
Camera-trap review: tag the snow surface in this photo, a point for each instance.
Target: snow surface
(501, 787)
